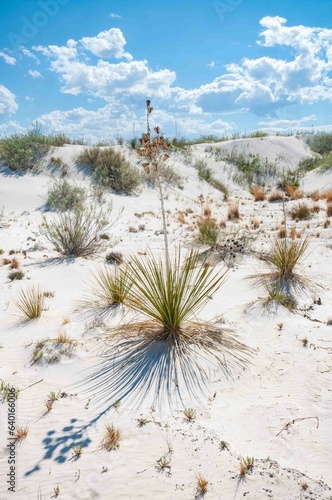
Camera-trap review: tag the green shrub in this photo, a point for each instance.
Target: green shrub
(64, 196)
(76, 233)
(205, 174)
(167, 174)
(111, 169)
(15, 275)
(321, 143)
(24, 151)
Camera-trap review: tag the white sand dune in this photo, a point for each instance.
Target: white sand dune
(277, 409)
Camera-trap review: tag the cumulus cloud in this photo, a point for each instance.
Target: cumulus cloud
(115, 16)
(131, 79)
(8, 104)
(107, 44)
(267, 84)
(8, 59)
(34, 73)
(295, 123)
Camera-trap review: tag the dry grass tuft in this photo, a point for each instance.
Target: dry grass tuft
(276, 196)
(112, 438)
(301, 212)
(258, 193)
(201, 484)
(282, 232)
(329, 210)
(233, 210)
(21, 434)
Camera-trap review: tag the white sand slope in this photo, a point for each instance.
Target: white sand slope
(277, 409)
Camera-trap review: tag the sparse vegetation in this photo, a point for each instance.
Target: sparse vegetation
(114, 258)
(6, 390)
(21, 434)
(301, 212)
(111, 169)
(208, 231)
(76, 233)
(15, 275)
(201, 484)
(64, 196)
(233, 210)
(190, 414)
(112, 438)
(31, 302)
(111, 286)
(77, 451)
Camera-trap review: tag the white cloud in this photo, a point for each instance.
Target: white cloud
(107, 44)
(34, 73)
(212, 64)
(110, 81)
(27, 53)
(11, 127)
(296, 123)
(8, 105)
(28, 98)
(115, 16)
(8, 59)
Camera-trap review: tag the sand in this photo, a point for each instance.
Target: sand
(277, 409)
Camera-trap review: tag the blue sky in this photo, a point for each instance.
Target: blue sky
(86, 67)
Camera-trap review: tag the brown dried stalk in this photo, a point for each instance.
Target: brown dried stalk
(291, 422)
(154, 153)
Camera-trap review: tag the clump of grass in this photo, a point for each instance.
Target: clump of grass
(258, 192)
(14, 264)
(208, 231)
(21, 434)
(223, 445)
(111, 286)
(301, 212)
(190, 414)
(284, 257)
(15, 275)
(112, 438)
(201, 484)
(233, 210)
(51, 351)
(6, 390)
(76, 233)
(63, 196)
(277, 297)
(276, 196)
(31, 302)
(114, 258)
(77, 451)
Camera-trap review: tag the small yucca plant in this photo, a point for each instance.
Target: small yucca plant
(31, 302)
(284, 257)
(111, 285)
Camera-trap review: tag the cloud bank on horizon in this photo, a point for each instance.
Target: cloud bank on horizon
(100, 70)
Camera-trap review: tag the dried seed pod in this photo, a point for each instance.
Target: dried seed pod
(157, 130)
(150, 109)
(148, 103)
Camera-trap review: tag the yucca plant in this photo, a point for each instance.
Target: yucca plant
(111, 285)
(284, 257)
(31, 302)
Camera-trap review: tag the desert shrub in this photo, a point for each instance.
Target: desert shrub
(208, 231)
(24, 151)
(320, 143)
(64, 196)
(76, 233)
(114, 258)
(308, 163)
(251, 168)
(15, 275)
(205, 174)
(89, 156)
(167, 174)
(31, 302)
(301, 212)
(111, 169)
